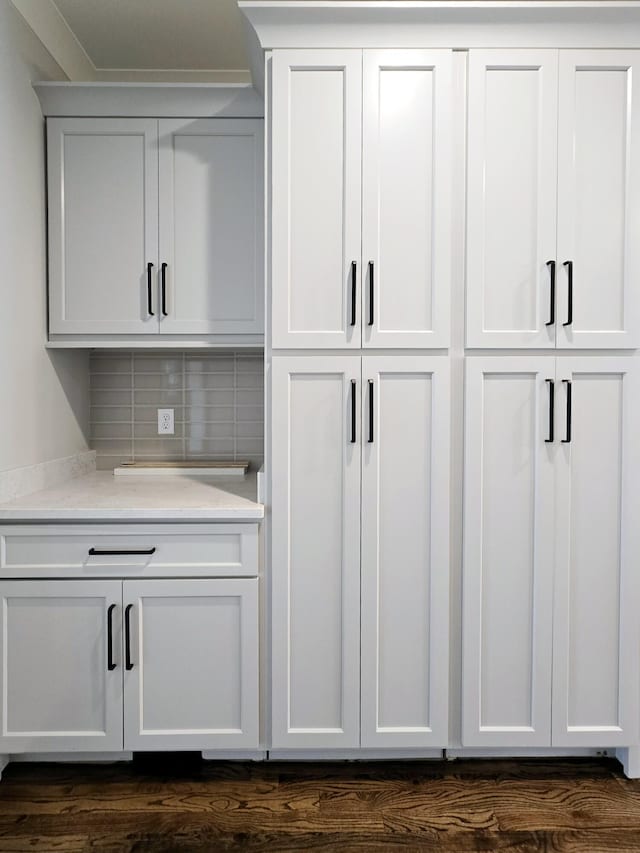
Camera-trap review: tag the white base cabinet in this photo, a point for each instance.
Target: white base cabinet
(550, 590)
(341, 679)
(100, 666)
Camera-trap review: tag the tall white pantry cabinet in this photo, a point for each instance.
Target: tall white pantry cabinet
(362, 221)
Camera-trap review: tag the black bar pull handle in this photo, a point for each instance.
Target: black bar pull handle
(353, 412)
(164, 289)
(371, 288)
(354, 276)
(567, 438)
(552, 391)
(149, 291)
(127, 637)
(110, 662)
(370, 439)
(552, 297)
(101, 552)
(569, 266)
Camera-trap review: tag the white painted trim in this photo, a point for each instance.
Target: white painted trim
(155, 342)
(18, 482)
(234, 755)
(629, 757)
(354, 754)
(44, 18)
(71, 757)
(533, 752)
(149, 100)
(444, 23)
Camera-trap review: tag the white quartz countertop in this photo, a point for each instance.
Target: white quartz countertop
(99, 496)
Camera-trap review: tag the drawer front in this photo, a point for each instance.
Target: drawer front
(110, 550)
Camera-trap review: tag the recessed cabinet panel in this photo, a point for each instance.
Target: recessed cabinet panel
(193, 681)
(405, 552)
(599, 199)
(511, 214)
(211, 232)
(315, 552)
(103, 225)
(57, 690)
(508, 552)
(406, 197)
(316, 146)
(595, 638)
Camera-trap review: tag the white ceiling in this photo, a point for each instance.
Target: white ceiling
(166, 35)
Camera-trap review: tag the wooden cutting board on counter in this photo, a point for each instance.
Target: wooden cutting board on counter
(190, 467)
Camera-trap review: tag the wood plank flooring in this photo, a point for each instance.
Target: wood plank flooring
(173, 805)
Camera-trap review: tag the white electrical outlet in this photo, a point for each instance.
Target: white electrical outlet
(165, 422)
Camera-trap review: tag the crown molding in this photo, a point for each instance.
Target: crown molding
(151, 100)
(444, 23)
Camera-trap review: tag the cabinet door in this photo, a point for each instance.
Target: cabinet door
(595, 633)
(58, 692)
(599, 198)
(511, 204)
(406, 192)
(405, 551)
(315, 538)
(211, 226)
(316, 201)
(508, 551)
(103, 225)
(191, 681)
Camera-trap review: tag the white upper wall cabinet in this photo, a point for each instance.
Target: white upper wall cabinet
(211, 226)
(361, 188)
(508, 551)
(595, 637)
(103, 225)
(511, 206)
(156, 226)
(599, 199)
(316, 166)
(405, 551)
(406, 193)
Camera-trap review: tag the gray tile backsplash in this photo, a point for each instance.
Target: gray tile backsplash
(218, 400)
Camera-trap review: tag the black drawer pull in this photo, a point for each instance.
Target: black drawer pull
(569, 266)
(353, 411)
(110, 662)
(567, 439)
(149, 291)
(551, 407)
(370, 439)
(164, 289)
(552, 297)
(354, 275)
(99, 552)
(127, 637)
(371, 294)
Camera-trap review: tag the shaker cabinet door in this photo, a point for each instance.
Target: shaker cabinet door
(508, 550)
(211, 226)
(595, 633)
(315, 621)
(599, 199)
(191, 664)
(511, 206)
(316, 198)
(61, 666)
(103, 226)
(406, 198)
(405, 551)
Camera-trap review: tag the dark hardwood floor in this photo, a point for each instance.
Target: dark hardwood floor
(176, 804)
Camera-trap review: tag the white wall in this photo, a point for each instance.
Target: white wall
(44, 396)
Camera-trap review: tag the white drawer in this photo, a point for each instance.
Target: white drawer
(112, 550)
